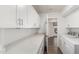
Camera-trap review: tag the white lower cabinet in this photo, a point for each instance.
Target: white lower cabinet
(41, 49)
(68, 49)
(61, 43)
(66, 46)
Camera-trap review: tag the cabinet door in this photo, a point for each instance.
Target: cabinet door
(22, 16)
(8, 16)
(33, 17)
(41, 49)
(37, 21)
(61, 43)
(68, 47)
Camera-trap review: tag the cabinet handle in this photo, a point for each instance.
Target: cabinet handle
(20, 21)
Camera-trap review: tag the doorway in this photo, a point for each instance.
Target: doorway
(52, 36)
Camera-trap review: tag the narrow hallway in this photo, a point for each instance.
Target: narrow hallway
(52, 46)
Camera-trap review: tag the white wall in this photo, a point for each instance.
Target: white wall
(62, 25)
(43, 23)
(73, 20)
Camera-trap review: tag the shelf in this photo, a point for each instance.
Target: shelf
(72, 27)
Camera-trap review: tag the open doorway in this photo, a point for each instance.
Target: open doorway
(52, 36)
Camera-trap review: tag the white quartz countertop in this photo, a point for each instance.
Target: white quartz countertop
(72, 39)
(29, 45)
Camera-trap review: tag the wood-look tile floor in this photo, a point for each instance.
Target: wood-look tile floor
(52, 47)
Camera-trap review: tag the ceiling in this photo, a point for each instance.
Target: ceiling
(48, 8)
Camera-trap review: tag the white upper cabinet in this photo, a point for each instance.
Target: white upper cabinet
(20, 16)
(33, 17)
(27, 17)
(8, 16)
